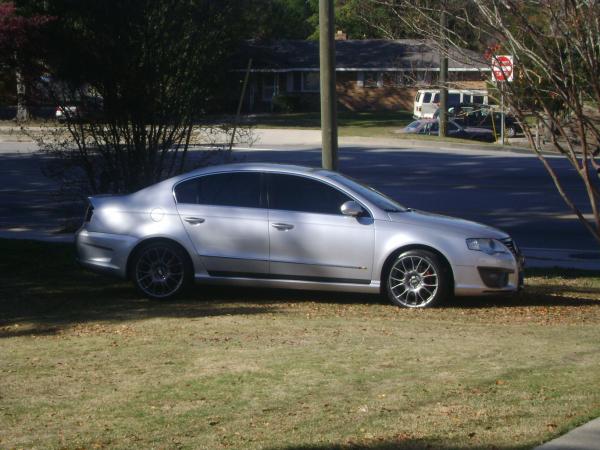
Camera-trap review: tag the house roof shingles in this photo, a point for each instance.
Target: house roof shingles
(368, 54)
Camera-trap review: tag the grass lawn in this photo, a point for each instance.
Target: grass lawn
(380, 124)
(312, 120)
(86, 363)
(367, 124)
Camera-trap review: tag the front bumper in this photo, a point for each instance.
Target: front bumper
(490, 275)
(103, 252)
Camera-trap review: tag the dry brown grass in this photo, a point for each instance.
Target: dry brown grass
(86, 363)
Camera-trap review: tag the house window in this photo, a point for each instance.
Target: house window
(397, 79)
(373, 79)
(406, 78)
(269, 86)
(423, 77)
(390, 78)
(310, 82)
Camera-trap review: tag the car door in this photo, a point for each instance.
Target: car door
(310, 239)
(225, 218)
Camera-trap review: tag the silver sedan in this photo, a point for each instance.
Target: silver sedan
(291, 227)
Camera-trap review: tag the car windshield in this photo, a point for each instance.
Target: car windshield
(377, 198)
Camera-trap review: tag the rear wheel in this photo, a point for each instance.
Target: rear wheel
(511, 131)
(417, 279)
(161, 270)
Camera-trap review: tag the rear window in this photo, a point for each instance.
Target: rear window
(427, 97)
(240, 189)
(478, 99)
(436, 98)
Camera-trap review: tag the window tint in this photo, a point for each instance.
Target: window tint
(478, 99)
(427, 97)
(224, 189)
(453, 99)
(295, 193)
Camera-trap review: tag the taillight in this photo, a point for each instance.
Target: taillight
(89, 213)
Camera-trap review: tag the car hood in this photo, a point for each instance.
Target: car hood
(448, 224)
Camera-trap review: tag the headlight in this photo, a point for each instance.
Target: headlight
(488, 246)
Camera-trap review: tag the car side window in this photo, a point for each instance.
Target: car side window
(296, 193)
(453, 99)
(240, 189)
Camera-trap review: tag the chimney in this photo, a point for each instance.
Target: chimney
(341, 36)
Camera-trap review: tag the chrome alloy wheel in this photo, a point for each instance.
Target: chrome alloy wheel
(413, 281)
(159, 271)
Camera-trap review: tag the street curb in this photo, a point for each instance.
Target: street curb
(585, 437)
(9, 134)
(312, 137)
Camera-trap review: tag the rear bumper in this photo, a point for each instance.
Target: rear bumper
(103, 252)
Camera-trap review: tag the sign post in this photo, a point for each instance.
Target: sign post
(502, 71)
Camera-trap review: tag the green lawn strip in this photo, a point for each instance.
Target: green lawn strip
(312, 120)
(87, 363)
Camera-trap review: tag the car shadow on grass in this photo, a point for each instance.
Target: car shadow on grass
(41, 286)
(83, 296)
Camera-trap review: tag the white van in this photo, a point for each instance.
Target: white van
(427, 101)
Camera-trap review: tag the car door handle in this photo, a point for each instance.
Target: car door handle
(194, 220)
(282, 226)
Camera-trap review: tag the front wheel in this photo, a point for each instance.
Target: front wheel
(160, 270)
(417, 279)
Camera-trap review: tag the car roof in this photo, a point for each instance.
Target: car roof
(252, 167)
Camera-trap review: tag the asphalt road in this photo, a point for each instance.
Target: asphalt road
(509, 191)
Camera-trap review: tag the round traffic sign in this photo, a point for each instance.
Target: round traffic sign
(502, 68)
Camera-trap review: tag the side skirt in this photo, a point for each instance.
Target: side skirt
(271, 281)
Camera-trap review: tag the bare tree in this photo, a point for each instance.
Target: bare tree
(556, 49)
(133, 81)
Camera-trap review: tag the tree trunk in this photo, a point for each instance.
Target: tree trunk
(22, 112)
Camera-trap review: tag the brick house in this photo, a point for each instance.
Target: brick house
(372, 74)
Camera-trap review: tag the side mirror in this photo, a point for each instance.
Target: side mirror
(351, 208)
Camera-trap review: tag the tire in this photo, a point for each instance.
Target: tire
(417, 279)
(161, 270)
(511, 131)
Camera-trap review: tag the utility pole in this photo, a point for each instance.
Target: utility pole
(241, 102)
(443, 78)
(328, 92)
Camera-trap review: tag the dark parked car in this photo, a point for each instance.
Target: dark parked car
(480, 116)
(83, 110)
(456, 130)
